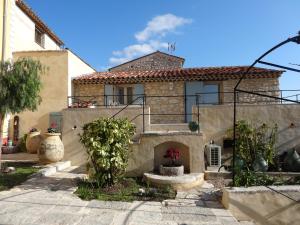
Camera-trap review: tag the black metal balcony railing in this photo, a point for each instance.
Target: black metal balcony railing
(178, 108)
(205, 98)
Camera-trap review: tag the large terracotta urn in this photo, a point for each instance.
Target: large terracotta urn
(51, 149)
(33, 142)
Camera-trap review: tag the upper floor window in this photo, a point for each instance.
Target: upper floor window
(124, 94)
(39, 37)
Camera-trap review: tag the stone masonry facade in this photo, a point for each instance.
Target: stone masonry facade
(168, 97)
(155, 61)
(267, 86)
(90, 92)
(173, 104)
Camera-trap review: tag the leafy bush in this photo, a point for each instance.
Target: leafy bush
(250, 178)
(254, 141)
(106, 141)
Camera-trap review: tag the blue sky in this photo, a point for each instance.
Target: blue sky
(206, 32)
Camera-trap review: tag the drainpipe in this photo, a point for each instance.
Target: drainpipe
(4, 31)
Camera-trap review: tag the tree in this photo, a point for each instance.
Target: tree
(20, 86)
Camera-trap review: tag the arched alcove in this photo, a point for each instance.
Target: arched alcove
(160, 151)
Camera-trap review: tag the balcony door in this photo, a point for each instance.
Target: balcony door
(124, 95)
(207, 92)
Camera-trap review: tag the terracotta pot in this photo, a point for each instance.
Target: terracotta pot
(33, 142)
(171, 170)
(51, 149)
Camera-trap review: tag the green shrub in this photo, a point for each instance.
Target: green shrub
(250, 178)
(107, 143)
(253, 141)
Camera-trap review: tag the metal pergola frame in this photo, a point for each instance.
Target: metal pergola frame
(295, 39)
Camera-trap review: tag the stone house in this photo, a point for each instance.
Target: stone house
(169, 89)
(160, 96)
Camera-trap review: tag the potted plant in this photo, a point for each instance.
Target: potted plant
(33, 141)
(173, 168)
(194, 126)
(52, 148)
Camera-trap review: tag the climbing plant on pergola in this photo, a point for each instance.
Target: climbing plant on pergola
(295, 39)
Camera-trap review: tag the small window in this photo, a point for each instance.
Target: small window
(124, 94)
(39, 37)
(129, 95)
(121, 95)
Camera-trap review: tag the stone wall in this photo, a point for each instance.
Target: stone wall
(263, 205)
(155, 61)
(96, 90)
(166, 105)
(216, 120)
(143, 156)
(266, 86)
(72, 118)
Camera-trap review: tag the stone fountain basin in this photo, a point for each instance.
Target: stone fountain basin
(171, 170)
(179, 183)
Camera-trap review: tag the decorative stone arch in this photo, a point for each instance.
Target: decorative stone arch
(160, 151)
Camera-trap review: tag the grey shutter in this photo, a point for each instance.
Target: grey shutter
(138, 92)
(108, 94)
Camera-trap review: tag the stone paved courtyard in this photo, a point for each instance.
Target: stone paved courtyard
(50, 201)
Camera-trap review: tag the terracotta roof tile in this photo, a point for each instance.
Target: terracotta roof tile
(184, 74)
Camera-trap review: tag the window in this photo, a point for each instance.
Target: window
(121, 96)
(124, 94)
(211, 95)
(129, 95)
(39, 37)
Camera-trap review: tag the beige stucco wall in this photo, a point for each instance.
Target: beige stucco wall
(216, 120)
(142, 154)
(61, 65)
(54, 91)
(263, 205)
(74, 151)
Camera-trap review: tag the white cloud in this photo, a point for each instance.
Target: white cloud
(159, 26)
(149, 39)
(133, 51)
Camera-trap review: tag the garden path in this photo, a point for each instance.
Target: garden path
(50, 201)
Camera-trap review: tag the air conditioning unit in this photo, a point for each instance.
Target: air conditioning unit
(213, 153)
